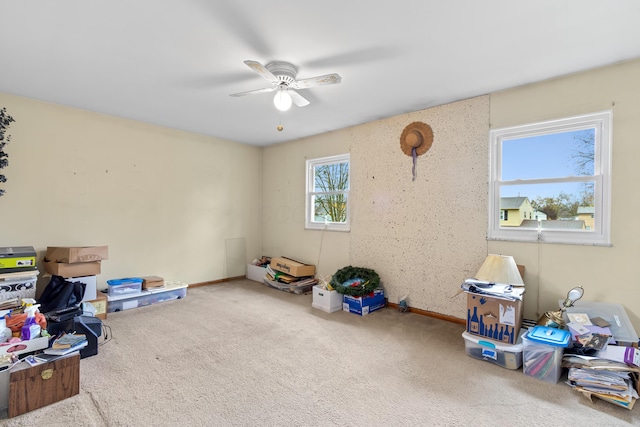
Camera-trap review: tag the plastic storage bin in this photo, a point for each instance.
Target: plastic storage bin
(506, 355)
(542, 352)
(118, 287)
(615, 314)
(145, 298)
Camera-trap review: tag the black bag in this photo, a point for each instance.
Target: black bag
(61, 293)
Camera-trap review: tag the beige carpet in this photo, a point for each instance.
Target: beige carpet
(242, 354)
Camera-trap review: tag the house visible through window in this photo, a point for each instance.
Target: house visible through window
(550, 181)
(327, 195)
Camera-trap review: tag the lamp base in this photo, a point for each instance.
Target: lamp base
(552, 319)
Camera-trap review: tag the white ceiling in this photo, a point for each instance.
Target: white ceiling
(175, 62)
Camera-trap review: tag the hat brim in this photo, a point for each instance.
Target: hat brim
(426, 134)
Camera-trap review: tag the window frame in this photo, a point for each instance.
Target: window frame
(602, 122)
(310, 223)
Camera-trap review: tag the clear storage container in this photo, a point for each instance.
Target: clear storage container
(145, 298)
(118, 287)
(506, 355)
(542, 352)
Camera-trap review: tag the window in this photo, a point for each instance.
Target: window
(556, 172)
(327, 201)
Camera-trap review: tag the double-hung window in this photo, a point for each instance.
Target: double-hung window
(551, 181)
(327, 194)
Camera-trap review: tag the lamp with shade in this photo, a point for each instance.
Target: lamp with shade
(500, 269)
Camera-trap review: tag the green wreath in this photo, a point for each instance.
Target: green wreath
(355, 281)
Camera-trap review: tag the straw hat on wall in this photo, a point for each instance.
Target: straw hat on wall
(416, 135)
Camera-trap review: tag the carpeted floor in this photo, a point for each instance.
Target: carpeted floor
(242, 354)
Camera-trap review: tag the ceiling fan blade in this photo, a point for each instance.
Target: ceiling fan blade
(250, 92)
(298, 99)
(327, 79)
(262, 70)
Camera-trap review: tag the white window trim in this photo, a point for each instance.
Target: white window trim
(600, 236)
(309, 193)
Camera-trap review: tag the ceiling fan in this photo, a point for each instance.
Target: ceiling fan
(282, 77)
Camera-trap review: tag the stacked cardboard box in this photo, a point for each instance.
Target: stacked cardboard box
(74, 261)
(77, 264)
(152, 282)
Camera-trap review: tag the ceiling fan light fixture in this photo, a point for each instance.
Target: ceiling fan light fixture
(282, 100)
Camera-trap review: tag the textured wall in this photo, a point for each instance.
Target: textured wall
(425, 236)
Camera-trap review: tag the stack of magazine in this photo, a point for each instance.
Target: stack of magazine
(610, 381)
(67, 343)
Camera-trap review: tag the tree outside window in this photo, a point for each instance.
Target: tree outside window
(327, 196)
(560, 168)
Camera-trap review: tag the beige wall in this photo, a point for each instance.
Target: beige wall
(283, 196)
(608, 274)
(168, 203)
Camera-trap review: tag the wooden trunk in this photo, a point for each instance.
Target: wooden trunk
(34, 387)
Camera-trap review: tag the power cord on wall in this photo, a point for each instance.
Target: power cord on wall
(320, 248)
(538, 287)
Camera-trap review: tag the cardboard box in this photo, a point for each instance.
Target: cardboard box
(17, 258)
(74, 254)
(293, 267)
(494, 318)
(100, 305)
(72, 270)
(366, 304)
(256, 272)
(152, 282)
(326, 300)
(32, 387)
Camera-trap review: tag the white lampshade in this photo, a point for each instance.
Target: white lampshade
(500, 269)
(282, 100)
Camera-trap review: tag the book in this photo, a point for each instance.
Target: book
(68, 340)
(63, 351)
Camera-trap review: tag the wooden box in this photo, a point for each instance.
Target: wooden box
(33, 387)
